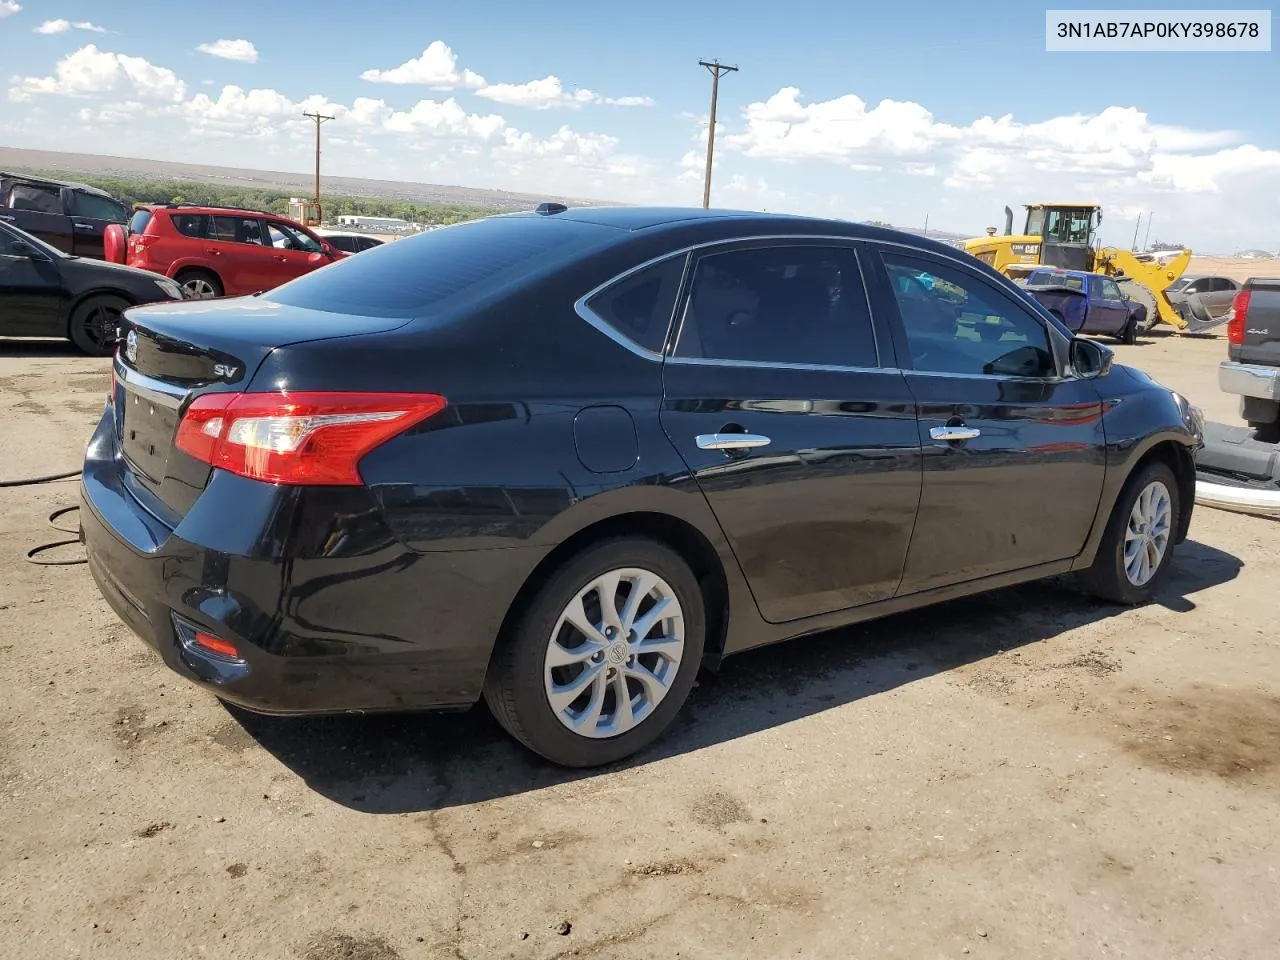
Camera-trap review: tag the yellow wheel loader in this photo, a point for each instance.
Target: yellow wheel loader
(1063, 235)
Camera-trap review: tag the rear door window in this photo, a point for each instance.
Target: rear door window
(236, 230)
(786, 304)
(639, 306)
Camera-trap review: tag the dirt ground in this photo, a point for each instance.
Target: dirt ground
(1021, 775)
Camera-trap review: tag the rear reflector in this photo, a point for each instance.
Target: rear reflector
(1239, 317)
(303, 439)
(211, 644)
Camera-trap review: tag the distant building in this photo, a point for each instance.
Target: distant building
(375, 223)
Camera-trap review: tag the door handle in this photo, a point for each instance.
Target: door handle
(214, 253)
(84, 227)
(953, 433)
(731, 441)
(5, 216)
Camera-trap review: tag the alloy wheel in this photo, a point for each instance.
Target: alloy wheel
(614, 653)
(198, 288)
(100, 326)
(1146, 538)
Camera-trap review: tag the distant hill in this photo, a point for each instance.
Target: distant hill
(300, 183)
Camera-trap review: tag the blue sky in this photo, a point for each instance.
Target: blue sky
(848, 110)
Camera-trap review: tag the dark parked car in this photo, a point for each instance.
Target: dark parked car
(564, 459)
(69, 216)
(47, 293)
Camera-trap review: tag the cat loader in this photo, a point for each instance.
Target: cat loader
(1064, 235)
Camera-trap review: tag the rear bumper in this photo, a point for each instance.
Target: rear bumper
(375, 629)
(1252, 500)
(1249, 380)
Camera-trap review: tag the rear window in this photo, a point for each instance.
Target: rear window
(443, 268)
(138, 222)
(1042, 278)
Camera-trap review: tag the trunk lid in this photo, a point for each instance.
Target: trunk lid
(172, 353)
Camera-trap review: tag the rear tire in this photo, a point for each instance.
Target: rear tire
(94, 324)
(1137, 547)
(199, 284)
(557, 688)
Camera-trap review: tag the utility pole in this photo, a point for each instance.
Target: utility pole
(926, 225)
(1136, 227)
(319, 118)
(717, 70)
(1147, 239)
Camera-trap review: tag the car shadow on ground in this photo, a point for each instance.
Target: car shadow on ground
(39, 348)
(422, 762)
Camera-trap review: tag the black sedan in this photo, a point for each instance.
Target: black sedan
(47, 293)
(562, 460)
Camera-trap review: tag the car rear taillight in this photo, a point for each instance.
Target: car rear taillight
(1239, 315)
(303, 439)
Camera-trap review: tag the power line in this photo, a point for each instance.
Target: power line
(319, 118)
(717, 70)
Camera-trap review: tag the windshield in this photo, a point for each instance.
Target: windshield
(17, 233)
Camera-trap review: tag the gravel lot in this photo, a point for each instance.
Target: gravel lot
(1020, 775)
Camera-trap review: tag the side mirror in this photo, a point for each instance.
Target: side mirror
(1090, 359)
(328, 249)
(21, 248)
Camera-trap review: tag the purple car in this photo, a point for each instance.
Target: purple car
(1087, 302)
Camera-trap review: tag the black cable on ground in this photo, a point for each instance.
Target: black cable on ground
(32, 481)
(33, 555)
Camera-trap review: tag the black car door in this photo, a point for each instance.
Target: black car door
(1014, 452)
(804, 445)
(90, 214)
(30, 291)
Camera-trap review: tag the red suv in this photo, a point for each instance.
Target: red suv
(216, 251)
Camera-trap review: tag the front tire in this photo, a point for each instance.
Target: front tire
(1129, 335)
(1137, 548)
(199, 284)
(94, 324)
(604, 655)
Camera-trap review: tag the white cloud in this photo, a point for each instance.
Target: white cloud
(436, 68)
(8, 8)
(50, 27)
(539, 94)
(90, 72)
(443, 119)
(549, 92)
(241, 51)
